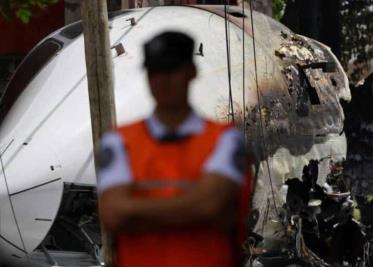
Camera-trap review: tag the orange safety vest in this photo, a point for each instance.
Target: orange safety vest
(168, 168)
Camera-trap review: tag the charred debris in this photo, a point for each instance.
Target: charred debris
(309, 109)
(324, 225)
(329, 224)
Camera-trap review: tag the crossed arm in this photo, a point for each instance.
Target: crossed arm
(207, 202)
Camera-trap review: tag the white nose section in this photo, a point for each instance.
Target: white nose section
(31, 190)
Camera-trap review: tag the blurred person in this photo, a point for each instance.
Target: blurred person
(170, 186)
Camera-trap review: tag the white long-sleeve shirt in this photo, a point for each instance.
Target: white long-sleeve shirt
(227, 159)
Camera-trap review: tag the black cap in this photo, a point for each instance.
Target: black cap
(168, 50)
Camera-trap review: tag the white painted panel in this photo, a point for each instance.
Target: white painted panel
(36, 210)
(8, 226)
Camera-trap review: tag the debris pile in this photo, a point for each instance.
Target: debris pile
(319, 224)
(329, 224)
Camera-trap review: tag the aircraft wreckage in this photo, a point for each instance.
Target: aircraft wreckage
(282, 89)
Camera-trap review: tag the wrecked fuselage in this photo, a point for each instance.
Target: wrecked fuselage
(285, 96)
(298, 116)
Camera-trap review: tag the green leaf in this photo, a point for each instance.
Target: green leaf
(24, 15)
(23, 9)
(278, 8)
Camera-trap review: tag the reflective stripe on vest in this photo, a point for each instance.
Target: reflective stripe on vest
(161, 184)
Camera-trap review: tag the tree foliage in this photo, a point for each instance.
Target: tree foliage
(344, 25)
(22, 9)
(278, 7)
(357, 41)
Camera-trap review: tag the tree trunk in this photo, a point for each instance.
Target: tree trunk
(72, 11)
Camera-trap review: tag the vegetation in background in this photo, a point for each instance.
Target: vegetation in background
(344, 25)
(22, 9)
(278, 7)
(357, 37)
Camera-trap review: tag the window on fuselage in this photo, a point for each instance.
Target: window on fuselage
(26, 71)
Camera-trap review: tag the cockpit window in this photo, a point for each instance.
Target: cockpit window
(26, 71)
(72, 31)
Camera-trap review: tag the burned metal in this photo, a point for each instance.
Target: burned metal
(300, 83)
(310, 87)
(319, 225)
(292, 114)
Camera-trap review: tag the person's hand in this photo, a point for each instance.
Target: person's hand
(115, 207)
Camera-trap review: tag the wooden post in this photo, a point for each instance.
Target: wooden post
(100, 80)
(125, 4)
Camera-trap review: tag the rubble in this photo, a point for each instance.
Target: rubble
(319, 225)
(330, 224)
